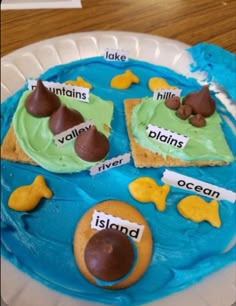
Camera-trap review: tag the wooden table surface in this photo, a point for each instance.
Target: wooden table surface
(189, 21)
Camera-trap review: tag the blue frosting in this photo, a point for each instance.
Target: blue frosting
(219, 64)
(40, 242)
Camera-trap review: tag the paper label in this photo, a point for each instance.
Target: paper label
(166, 136)
(101, 221)
(116, 55)
(201, 187)
(110, 163)
(166, 93)
(72, 133)
(75, 92)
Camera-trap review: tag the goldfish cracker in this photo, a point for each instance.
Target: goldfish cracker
(197, 210)
(80, 82)
(26, 198)
(159, 197)
(124, 81)
(158, 83)
(145, 189)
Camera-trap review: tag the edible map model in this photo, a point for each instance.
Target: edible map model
(117, 181)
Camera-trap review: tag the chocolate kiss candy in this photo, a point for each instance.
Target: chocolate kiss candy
(63, 119)
(201, 102)
(109, 255)
(41, 102)
(91, 145)
(173, 103)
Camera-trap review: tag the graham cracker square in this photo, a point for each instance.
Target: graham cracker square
(144, 158)
(11, 150)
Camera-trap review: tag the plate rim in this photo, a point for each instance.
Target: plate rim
(95, 33)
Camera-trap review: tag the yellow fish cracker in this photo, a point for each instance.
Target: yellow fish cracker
(145, 189)
(80, 82)
(158, 83)
(26, 198)
(124, 81)
(196, 209)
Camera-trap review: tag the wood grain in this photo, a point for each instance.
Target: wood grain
(189, 21)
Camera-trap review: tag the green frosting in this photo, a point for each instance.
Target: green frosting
(205, 143)
(37, 141)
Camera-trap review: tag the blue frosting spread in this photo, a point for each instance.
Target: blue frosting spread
(40, 242)
(219, 64)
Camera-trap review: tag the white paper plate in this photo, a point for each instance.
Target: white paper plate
(219, 289)
(39, 4)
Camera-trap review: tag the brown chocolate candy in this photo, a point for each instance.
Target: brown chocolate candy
(42, 102)
(63, 119)
(173, 103)
(198, 120)
(92, 145)
(109, 255)
(201, 102)
(184, 111)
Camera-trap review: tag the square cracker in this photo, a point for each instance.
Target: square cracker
(11, 150)
(144, 158)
